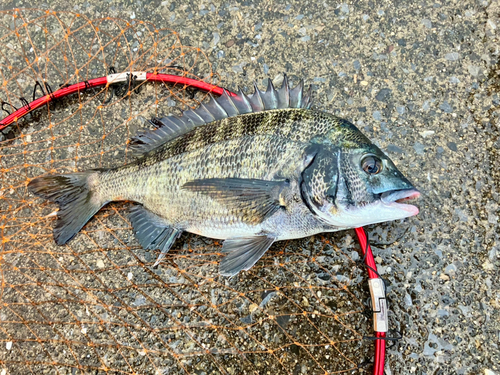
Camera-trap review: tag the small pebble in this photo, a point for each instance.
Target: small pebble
(446, 107)
(383, 95)
(419, 148)
(394, 148)
(474, 70)
(452, 56)
(452, 146)
(427, 23)
(450, 269)
(377, 115)
(427, 133)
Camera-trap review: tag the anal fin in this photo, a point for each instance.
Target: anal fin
(152, 231)
(243, 253)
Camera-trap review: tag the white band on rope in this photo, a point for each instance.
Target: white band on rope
(379, 305)
(123, 77)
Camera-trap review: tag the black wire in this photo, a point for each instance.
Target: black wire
(173, 67)
(381, 245)
(5, 110)
(365, 363)
(373, 338)
(133, 84)
(25, 103)
(395, 341)
(119, 89)
(368, 313)
(192, 91)
(49, 91)
(37, 84)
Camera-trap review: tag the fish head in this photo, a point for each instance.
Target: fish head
(352, 183)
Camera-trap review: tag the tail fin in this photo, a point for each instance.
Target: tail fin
(77, 202)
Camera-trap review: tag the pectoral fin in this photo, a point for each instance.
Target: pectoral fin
(243, 253)
(254, 199)
(152, 231)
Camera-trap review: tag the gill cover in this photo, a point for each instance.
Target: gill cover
(319, 182)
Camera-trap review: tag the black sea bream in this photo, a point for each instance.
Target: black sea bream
(248, 170)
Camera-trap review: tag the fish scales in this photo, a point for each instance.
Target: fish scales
(158, 186)
(276, 170)
(258, 148)
(293, 124)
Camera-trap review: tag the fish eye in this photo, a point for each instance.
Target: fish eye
(371, 164)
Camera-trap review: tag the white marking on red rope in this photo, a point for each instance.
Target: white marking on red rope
(123, 77)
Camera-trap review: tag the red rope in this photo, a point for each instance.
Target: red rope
(379, 360)
(169, 78)
(37, 103)
(101, 81)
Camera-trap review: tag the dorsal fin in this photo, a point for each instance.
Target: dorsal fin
(170, 127)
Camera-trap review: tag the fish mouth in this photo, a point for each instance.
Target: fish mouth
(395, 199)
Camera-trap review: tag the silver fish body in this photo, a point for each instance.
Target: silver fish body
(250, 171)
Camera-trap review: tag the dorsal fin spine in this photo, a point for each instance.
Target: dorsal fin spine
(209, 114)
(231, 109)
(227, 105)
(194, 117)
(246, 102)
(296, 95)
(217, 107)
(271, 94)
(256, 98)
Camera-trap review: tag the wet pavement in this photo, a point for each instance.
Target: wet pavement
(422, 80)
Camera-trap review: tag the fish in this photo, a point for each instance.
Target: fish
(247, 169)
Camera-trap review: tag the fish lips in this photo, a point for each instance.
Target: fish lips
(395, 199)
